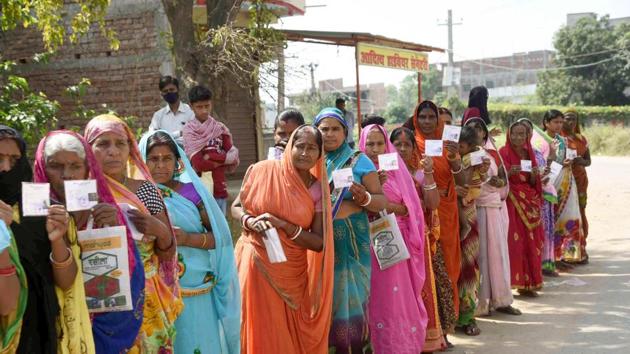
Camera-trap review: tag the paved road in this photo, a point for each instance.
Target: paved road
(587, 310)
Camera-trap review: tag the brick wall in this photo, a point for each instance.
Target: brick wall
(126, 80)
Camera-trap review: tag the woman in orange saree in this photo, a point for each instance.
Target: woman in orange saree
(287, 306)
(575, 140)
(133, 189)
(448, 170)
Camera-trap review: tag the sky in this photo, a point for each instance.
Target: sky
(489, 28)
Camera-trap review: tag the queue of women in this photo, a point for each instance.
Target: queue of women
(305, 275)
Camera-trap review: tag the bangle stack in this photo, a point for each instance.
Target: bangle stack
(8, 271)
(244, 220)
(297, 233)
(64, 264)
(430, 187)
(369, 200)
(461, 167)
(205, 240)
(428, 172)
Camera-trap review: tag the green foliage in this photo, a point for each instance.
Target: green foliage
(588, 41)
(309, 105)
(29, 112)
(503, 114)
(607, 140)
(403, 100)
(49, 15)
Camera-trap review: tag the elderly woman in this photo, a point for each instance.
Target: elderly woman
(207, 274)
(131, 184)
(295, 296)
(65, 156)
(349, 332)
(29, 312)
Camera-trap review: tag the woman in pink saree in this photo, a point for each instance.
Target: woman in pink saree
(398, 318)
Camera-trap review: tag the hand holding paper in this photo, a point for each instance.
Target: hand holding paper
(451, 133)
(433, 147)
(343, 178)
(80, 194)
(526, 165)
(35, 199)
(388, 162)
(275, 252)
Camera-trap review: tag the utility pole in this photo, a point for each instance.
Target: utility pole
(450, 24)
(281, 93)
(312, 67)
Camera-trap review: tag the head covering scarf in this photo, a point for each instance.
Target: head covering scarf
(226, 291)
(406, 308)
(577, 130)
(33, 247)
(300, 289)
(512, 158)
(478, 98)
(113, 332)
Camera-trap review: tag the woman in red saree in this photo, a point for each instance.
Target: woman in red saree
(295, 296)
(575, 140)
(448, 170)
(524, 203)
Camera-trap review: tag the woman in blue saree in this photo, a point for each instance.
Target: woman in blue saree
(210, 321)
(349, 330)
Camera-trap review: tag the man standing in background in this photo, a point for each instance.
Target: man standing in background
(340, 103)
(175, 114)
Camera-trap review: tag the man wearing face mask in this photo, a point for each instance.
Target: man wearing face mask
(175, 114)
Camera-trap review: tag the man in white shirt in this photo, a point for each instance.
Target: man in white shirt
(175, 114)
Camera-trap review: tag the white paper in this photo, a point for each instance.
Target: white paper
(476, 157)
(274, 153)
(526, 165)
(35, 199)
(571, 154)
(433, 147)
(555, 168)
(274, 247)
(451, 133)
(80, 195)
(135, 234)
(343, 178)
(388, 162)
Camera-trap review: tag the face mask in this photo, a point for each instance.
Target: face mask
(171, 97)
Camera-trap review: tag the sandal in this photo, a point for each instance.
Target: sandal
(509, 310)
(528, 293)
(472, 329)
(584, 261)
(563, 266)
(550, 273)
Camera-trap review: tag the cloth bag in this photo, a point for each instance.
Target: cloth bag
(387, 241)
(105, 268)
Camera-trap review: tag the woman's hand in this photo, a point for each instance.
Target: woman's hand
(382, 176)
(567, 162)
(105, 215)
(149, 225)
(553, 150)
(452, 149)
(515, 169)
(359, 193)
(271, 221)
(485, 166)
(57, 222)
(579, 161)
(496, 131)
(495, 181)
(461, 191)
(427, 164)
(6, 213)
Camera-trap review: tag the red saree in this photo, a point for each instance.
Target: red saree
(525, 233)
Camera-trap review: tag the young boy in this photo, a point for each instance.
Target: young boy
(208, 143)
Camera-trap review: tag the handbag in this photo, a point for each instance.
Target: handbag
(105, 262)
(387, 241)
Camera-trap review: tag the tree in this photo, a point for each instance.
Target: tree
(48, 16)
(311, 104)
(592, 61)
(403, 100)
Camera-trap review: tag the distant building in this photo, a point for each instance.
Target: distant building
(510, 78)
(572, 19)
(373, 96)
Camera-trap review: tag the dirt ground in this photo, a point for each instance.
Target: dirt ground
(587, 310)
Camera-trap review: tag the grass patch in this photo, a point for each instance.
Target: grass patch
(606, 140)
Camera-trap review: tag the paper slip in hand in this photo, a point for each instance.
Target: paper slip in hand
(274, 247)
(274, 153)
(343, 178)
(526, 165)
(80, 195)
(571, 154)
(388, 162)
(433, 147)
(35, 199)
(476, 157)
(451, 133)
(555, 168)
(135, 234)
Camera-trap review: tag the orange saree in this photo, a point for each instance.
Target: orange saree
(447, 211)
(295, 297)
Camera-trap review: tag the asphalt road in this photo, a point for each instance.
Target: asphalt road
(587, 310)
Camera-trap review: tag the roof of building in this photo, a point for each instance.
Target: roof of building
(352, 38)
